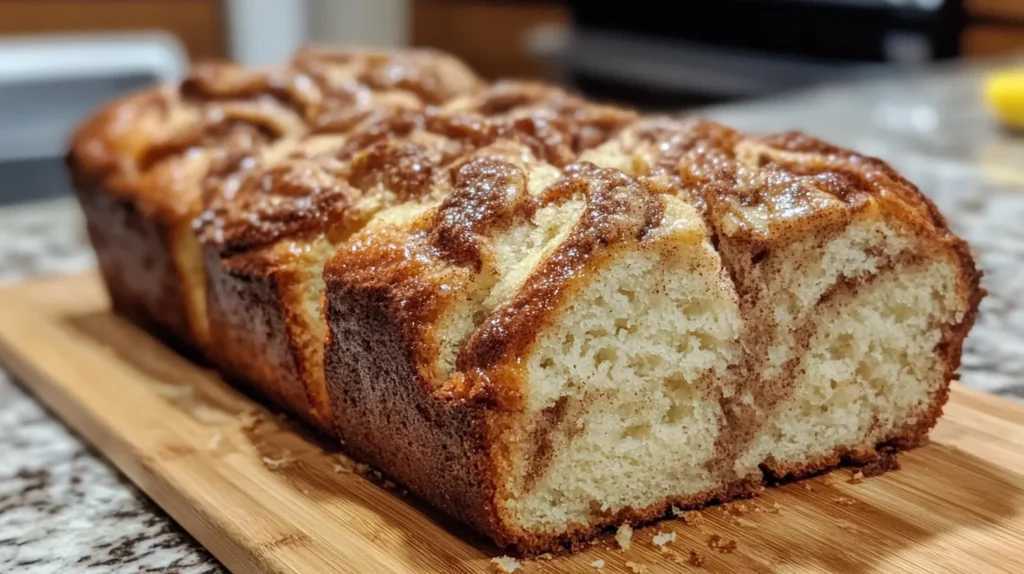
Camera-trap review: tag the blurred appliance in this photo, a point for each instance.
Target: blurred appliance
(740, 48)
(266, 32)
(47, 86)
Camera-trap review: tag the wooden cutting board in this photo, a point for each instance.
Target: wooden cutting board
(263, 495)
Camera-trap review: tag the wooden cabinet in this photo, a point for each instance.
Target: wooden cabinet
(489, 36)
(198, 23)
(994, 27)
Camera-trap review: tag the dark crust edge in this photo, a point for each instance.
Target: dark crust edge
(386, 415)
(249, 331)
(136, 262)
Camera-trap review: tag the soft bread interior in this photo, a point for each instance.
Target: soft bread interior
(189, 263)
(657, 385)
(862, 326)
(620, 405)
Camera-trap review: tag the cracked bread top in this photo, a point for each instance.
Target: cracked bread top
(155, 147)
(469, 300)
(766, 189)
(331, 182)
(473, 278)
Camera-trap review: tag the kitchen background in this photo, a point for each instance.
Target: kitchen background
(924, 64)
(61, 58)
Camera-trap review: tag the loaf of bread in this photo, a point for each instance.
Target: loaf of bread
(545, 316)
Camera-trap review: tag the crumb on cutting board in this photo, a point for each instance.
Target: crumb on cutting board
(598, 564)
(696, 558)
(671, 554)
(623, 536)
(506, 564)
(807, 487)
(723, 545)
(693, 517)
(663, 538)
(857, 477)
(738, 508)
(278, 463)
(251, 419)
(884, 462)
(636, 568)
(215, 440)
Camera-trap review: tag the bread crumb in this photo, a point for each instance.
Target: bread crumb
(545, 556)
(251, 419)
(636, 568)
(693, 517)
(599, 564)
(277, 463)
(829, 481)
(663, 538)
(884, 462)
(696, 559)
(857, 477)
(745, 522)
(506, 564)
(340, 469)
(671, 554)
(844, 500)
(676, 511)
(738, 508)
(623, 536)
(776, 507)
(723, 545)
(215, 440)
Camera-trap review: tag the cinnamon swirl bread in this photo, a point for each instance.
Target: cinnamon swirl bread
(671, 320)
(543, 315)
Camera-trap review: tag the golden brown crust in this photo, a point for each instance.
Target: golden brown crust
(330, 184)
(153, 150)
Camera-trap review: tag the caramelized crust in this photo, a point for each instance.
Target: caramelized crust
(152, 152)
(267, 215)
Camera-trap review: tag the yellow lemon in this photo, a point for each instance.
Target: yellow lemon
(1004, 92)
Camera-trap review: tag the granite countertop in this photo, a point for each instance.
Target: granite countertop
(64, 509)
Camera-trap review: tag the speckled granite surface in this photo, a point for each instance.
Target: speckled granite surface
(63, 509)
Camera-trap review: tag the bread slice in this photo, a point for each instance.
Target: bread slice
(545, 353)
(266, 240)
(855, 295)
(139, 164)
